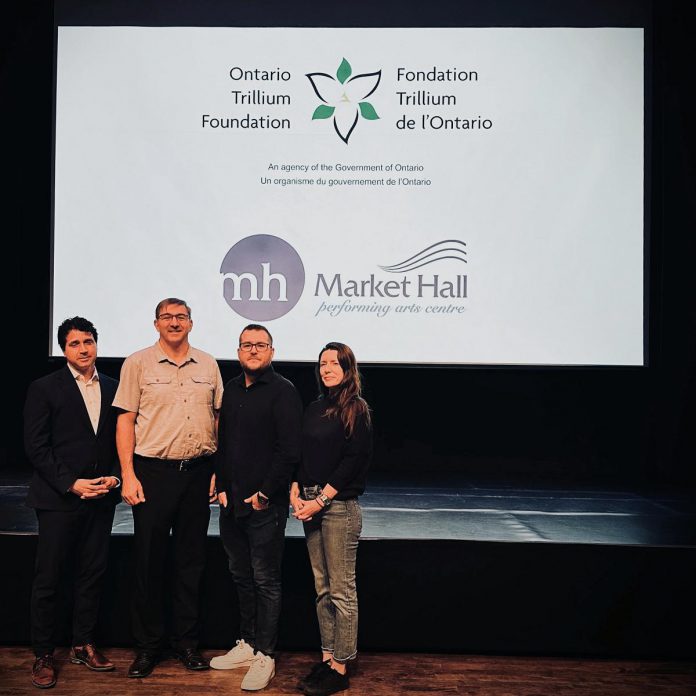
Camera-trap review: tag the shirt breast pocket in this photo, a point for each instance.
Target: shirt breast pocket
(202, 387)
(158, 389)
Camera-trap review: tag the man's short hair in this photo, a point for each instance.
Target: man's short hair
(75, 324)
(256, 327)
(171, 300)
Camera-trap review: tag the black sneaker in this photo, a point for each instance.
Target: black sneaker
(328, 681)
(311, 677)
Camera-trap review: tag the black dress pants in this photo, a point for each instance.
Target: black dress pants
(175, 501)
(85, 534)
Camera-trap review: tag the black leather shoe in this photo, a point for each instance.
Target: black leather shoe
(145, 661)
(192, 659)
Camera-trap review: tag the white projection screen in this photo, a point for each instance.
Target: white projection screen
(426, 195)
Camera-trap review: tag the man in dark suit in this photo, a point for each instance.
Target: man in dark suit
(69, 438)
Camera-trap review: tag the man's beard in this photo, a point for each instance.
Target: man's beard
(255, 371)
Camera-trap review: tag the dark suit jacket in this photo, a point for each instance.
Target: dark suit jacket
(60, 442)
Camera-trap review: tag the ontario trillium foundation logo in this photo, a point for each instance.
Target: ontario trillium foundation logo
(344, 98)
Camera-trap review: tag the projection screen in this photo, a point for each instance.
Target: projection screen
(426, 195)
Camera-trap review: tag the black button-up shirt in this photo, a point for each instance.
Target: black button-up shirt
(259, 439)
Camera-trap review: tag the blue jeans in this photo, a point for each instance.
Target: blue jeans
(332, 542)
(254, 547)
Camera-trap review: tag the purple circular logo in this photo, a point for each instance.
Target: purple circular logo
(263, 277)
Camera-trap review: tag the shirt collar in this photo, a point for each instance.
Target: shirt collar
(78, 376)
(264, 378)
(163, 357)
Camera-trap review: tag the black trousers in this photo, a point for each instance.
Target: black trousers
(82, 534)
(175, 501)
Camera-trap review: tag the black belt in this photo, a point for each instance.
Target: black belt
(177, 464)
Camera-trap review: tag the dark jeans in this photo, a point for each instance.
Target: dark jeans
(254, 547)
(176, 501)
(86, 532)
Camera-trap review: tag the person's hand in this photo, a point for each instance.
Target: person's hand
(87, 489)
(295, 501)
(255, 503)
(212, 491)
(308, 510)
(110, 482)
(132, 491)
(222, 498)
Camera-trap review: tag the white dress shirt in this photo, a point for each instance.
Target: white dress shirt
(91, 393)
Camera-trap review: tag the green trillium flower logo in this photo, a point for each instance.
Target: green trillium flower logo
(344, 97)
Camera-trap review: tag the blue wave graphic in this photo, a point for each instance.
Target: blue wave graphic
(435, 252)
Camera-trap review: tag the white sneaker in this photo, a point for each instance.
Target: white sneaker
(242, 655)
(261, 672)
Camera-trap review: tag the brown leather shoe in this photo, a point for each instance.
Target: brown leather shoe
(88, 655)
(43, 673)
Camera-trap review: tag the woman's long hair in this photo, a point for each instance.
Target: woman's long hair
(345, 399)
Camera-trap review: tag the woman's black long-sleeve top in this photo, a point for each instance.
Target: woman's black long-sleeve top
(329, 457)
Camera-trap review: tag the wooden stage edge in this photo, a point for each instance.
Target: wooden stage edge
(374, 674)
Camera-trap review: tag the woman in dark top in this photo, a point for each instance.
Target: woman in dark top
(336, 453)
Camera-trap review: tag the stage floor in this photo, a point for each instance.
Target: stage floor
(450, 509)
(373, 674)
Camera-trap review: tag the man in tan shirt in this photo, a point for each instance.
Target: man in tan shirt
(169, 397)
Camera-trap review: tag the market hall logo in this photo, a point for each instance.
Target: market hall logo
(446, 249)
(263, 277)
(345, 98)
(433, 285)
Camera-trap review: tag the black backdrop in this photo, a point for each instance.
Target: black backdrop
(626, 427)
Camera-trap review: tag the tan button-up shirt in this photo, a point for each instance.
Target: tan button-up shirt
(91, 393)
(175, 404)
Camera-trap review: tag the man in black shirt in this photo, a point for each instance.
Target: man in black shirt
(259, 447)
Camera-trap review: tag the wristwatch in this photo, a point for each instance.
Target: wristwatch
(324, 500)
(263, 500)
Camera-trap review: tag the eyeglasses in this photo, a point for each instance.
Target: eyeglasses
(170, 317)
(260, 347)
